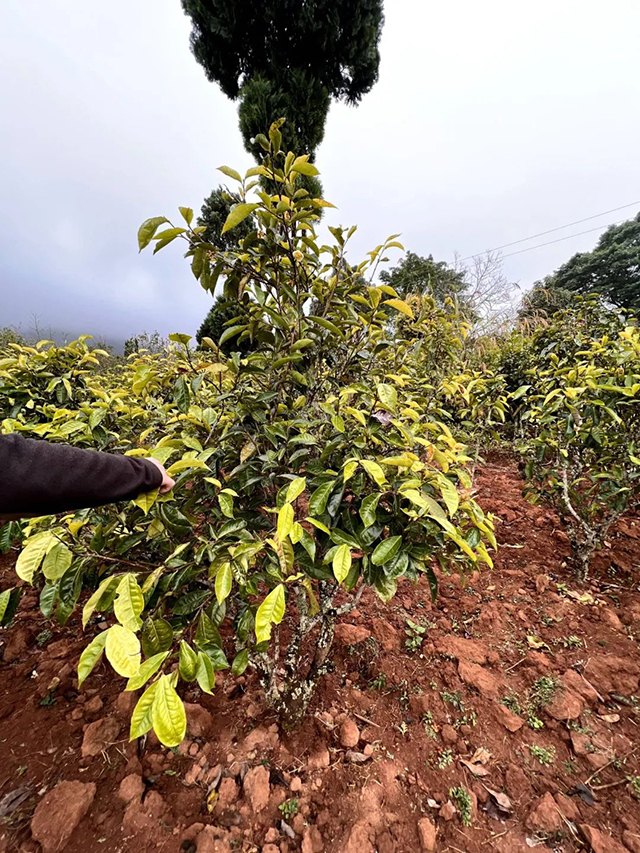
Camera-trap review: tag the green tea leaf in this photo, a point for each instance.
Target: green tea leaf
(123, 650)
(129, 603)
(141, 720)
(57, 561)
(270, 612)
(90, 656)
(168, 714)
(147, 669)
(224, 579)
(342, 563)
(386, 550)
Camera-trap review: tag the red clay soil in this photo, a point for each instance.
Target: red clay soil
(392, 730)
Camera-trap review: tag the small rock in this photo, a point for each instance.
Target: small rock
(567, 806)
(18, 641)
(484, 681)
(512, 722)
(131, 788)
(356, 757)
(448, 811)
(349, 734)
(610, 618)
(351, 635)
(199, 720)
(458, 647)
(93, 705)
(228, 793)
(545, 816)
(295, 784)
(271, 835)
(613, 674)
(256, 787)
(542, 583)
(565, 705)
(270, 848)
(214, 839)
(600, 843)
(99, 735)
(59, 812)
(319, 759)
(427, 833)
(125, 703)
(449, 734)
(193, 774)
(631, 840)
(572, 680)
(312, 840)
(386, 635)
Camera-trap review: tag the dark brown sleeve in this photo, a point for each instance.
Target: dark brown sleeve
(39, 478)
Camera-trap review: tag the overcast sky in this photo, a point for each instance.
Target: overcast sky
(490, 122)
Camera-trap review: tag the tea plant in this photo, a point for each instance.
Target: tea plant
(584, 448)
(307, 469)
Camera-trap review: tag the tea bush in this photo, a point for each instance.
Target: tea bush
(306, 470)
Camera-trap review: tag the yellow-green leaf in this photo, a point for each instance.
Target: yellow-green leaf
(141, 721)
(147, 669)
(342, 563)
(350, 469)
(449, 495)
(374, 471)
(224, 579)
(296, 488)
(123, 650)
(93, 602)
(90, 656)
(401, 306)
(205, 673)
(237, 214)
(57, 561)
(285, 521)
(129, 603)
(32, 555)
(270, 612)
(167, 714)
(317, 524)
(146, 500)
(183, 464)
(188, 661)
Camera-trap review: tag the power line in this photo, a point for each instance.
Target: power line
(560, 239)
(551, 231)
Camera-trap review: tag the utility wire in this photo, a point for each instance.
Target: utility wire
(559, 240)
(551, 231)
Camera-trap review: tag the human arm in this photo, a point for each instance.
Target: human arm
(41, 478)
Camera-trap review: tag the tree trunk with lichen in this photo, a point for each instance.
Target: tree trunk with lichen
(289, 686)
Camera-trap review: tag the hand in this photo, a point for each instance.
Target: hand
(167, 483)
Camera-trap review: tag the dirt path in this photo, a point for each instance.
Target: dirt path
(522, 687)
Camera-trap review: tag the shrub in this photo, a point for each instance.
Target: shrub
(306, 471)
(584, 443)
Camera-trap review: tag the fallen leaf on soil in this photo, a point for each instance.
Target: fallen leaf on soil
(476, 764)
(585, 793)
(356, 757)
(476, 769)
(581, 597)
(285, 829)
(610, 718)
(11, 801)
(536, 642)
(498, 805)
